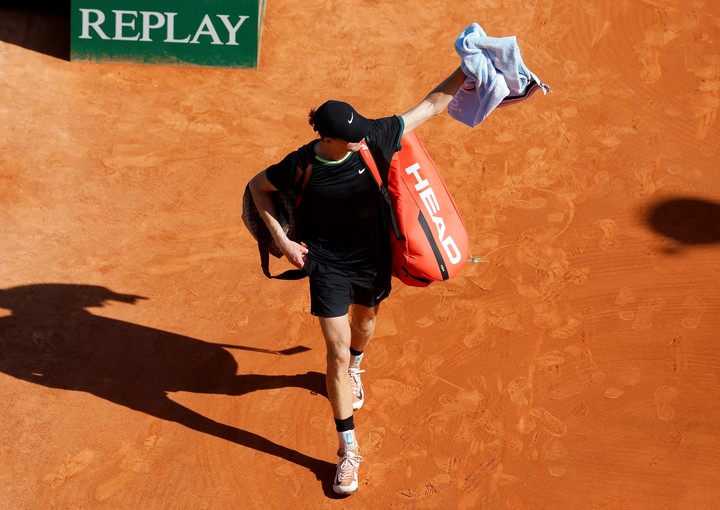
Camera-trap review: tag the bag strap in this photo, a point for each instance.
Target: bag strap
(264, 250)
(370, 162)
(372, 166)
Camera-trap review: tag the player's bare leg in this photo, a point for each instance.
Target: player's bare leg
(362, 327)
(337, 333)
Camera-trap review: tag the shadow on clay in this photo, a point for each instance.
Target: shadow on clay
(52, 340)
(38, 25)
(689, 221)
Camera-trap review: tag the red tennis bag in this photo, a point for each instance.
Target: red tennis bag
(429, 240)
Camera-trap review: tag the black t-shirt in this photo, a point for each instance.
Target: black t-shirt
(341, 214)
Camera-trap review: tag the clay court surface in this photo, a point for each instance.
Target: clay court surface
(146, 362)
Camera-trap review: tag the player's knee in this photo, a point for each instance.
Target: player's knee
(338, 357)
(364, 326)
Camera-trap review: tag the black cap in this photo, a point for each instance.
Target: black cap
(336, 119)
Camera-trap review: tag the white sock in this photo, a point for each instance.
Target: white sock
(355, 360)
(347, 440)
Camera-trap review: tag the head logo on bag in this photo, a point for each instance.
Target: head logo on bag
(432, 206)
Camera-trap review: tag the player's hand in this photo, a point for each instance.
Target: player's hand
(296, 253)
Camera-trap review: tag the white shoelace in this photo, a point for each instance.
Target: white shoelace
(355, 381)
(349, 465)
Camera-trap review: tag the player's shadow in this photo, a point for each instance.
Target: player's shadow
(38, 25)
(689, 221)
(52, 340)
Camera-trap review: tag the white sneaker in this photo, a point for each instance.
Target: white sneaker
(357, 388)
(346, 475)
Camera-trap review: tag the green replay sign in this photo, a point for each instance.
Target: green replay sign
(224, 33)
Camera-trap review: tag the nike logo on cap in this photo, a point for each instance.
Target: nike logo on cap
(352, 116)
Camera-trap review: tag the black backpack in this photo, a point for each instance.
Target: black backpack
(286, 202)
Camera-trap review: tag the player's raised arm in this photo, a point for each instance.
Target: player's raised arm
(435, 102)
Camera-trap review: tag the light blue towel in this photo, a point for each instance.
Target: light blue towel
(496, 76)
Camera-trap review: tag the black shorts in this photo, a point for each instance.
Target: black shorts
(333, 290)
